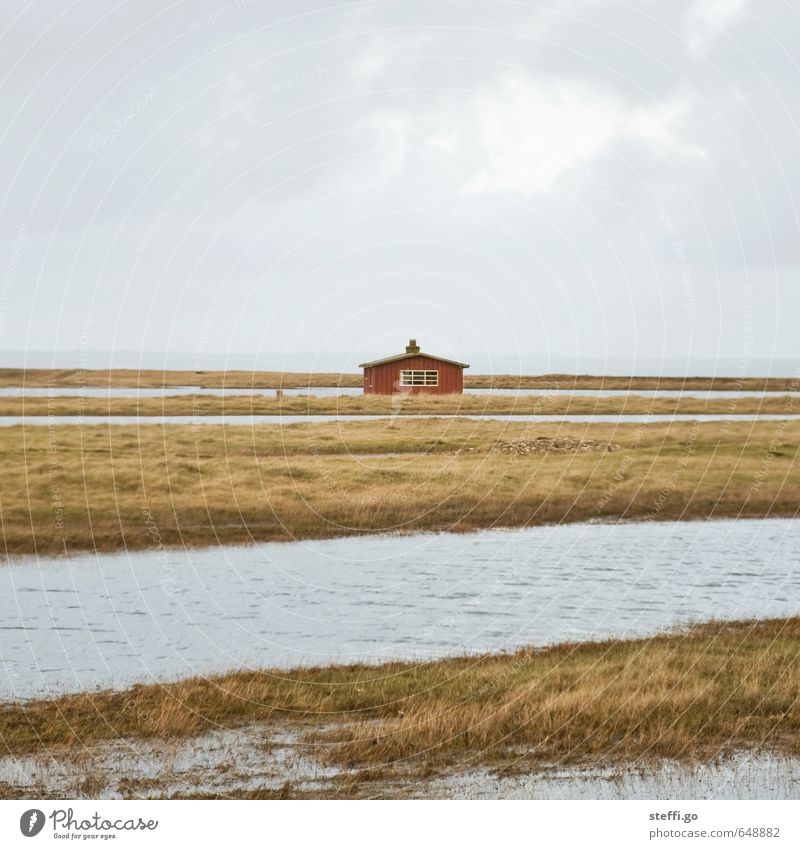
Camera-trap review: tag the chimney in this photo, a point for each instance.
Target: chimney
(412, 347)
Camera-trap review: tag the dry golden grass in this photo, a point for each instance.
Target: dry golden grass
(66, 488)
(717, 688)
(206, 405)
(292, 380)
(153, 378)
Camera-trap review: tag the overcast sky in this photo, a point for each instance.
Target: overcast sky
(589, 180)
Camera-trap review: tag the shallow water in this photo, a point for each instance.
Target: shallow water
(233, 419)
(744, 776)
(624, 393)
(266, 757)
(113, 619)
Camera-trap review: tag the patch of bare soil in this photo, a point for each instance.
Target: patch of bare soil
(545, 445)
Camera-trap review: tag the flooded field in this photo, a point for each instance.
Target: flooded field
(275, 761)
(113, 619)
(743, 776)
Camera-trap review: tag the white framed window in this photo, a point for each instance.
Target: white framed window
(415, 377)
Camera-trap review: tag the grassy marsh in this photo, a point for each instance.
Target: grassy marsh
(213, 405)
(293, 380)
(714, 689)
(65, 488)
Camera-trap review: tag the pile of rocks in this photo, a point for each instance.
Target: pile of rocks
(545, 445)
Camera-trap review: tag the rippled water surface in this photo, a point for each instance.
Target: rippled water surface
(108, 620)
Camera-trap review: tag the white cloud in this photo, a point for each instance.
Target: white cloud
(535, 133)
(706, 19)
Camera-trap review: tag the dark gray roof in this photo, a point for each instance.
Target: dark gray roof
(408, 356)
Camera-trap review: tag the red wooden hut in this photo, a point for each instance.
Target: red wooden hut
(415, 373)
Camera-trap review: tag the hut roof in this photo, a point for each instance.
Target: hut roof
(412, 350)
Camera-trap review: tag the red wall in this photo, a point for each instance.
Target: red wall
(385, 379)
